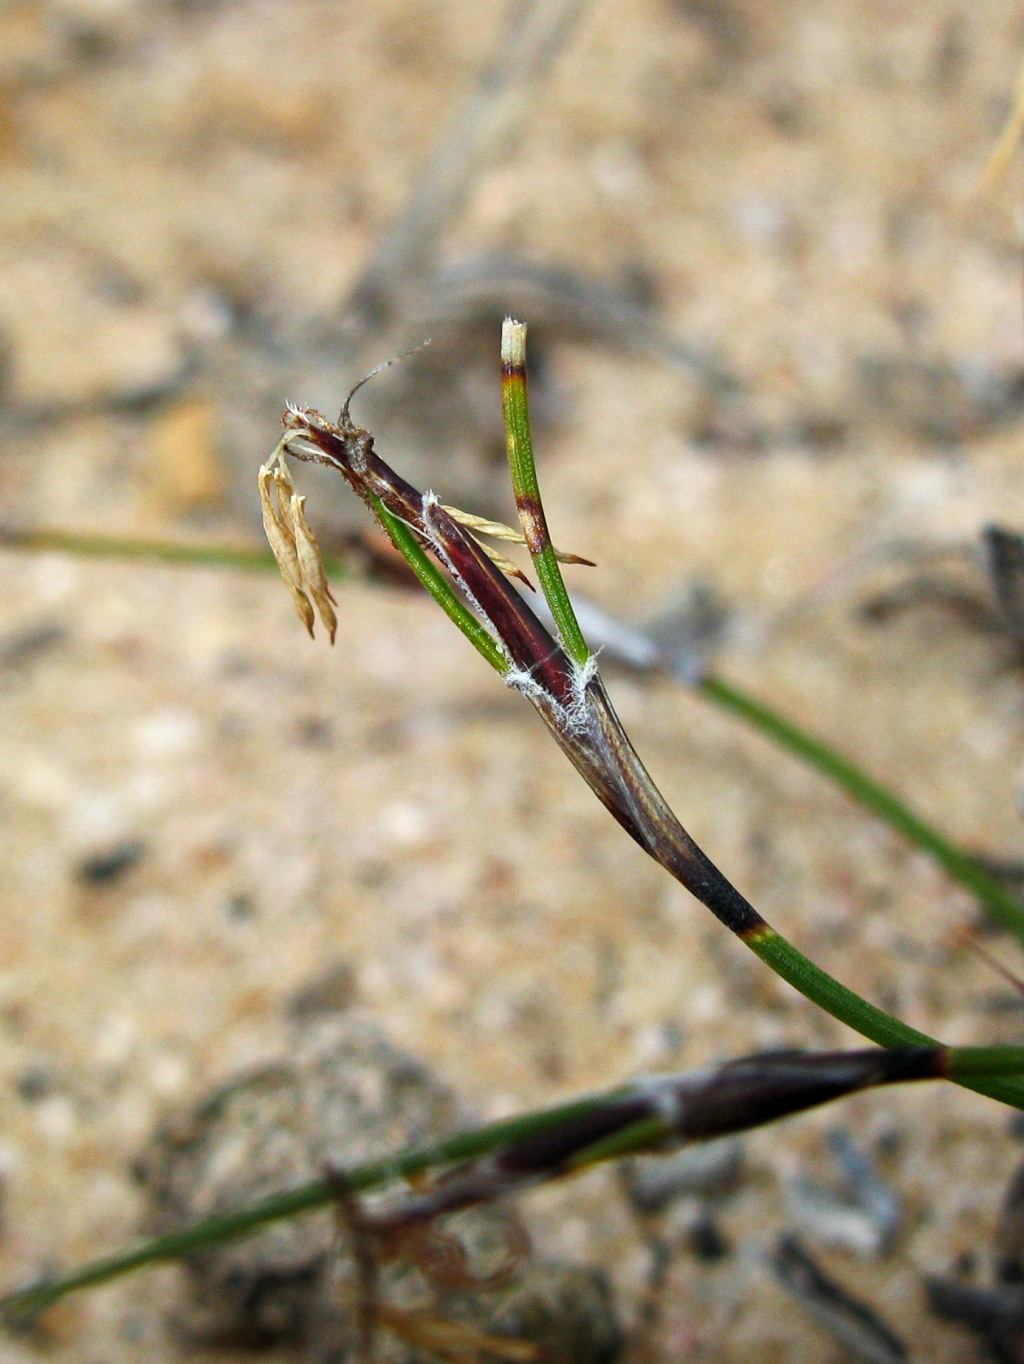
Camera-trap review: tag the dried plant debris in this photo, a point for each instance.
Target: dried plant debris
(480, 290)
(944, 400)
(1008, 1242)
(995, 1314)
(346, 1095)
(962, 602)
(850, 1323)
(991, 603)
(1004, 560)
(481, 129)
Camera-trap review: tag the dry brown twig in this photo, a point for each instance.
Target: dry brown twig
(535, 32)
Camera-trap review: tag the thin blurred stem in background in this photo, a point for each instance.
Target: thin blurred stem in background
(960, 864)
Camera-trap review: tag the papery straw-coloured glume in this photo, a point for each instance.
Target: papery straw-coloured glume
(311, 565)
(294, 545)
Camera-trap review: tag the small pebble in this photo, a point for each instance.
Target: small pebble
(107, 867)
(707, 1240)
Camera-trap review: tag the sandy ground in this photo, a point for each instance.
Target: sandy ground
(189, 190)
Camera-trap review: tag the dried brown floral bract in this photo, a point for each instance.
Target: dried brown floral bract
(294, 545)
(497, 530)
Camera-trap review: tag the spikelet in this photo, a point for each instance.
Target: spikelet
(311, 565)
(294, 545)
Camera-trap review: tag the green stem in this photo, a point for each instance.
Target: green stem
(437, 584)
(43, 539)
(959, 865)
(871, 1022)
(252, 559)
(525, 485)
(318, 1193)
(711, 887)
(966, 1064)
(975, 1062)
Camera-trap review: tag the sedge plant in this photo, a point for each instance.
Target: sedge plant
(447, 551)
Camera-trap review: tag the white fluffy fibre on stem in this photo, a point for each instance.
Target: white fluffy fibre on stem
(513, 342)
(572, 718)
